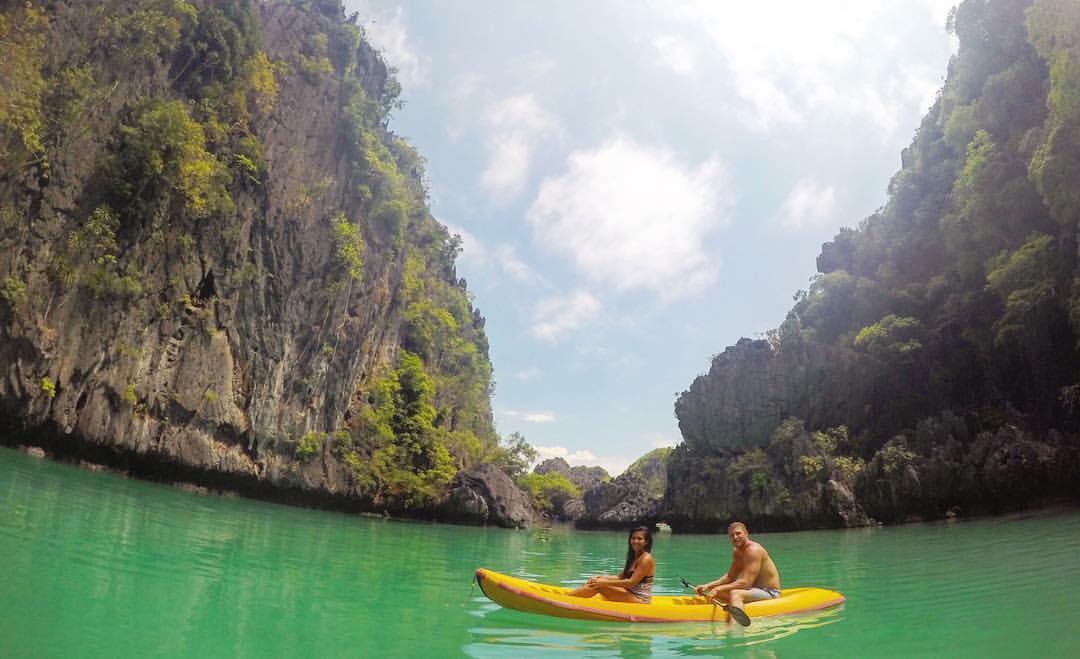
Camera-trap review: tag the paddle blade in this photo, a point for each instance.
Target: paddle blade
(738, 615)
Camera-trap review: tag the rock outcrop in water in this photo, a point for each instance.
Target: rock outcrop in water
(485, 495)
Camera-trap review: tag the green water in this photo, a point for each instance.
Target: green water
(93, 565)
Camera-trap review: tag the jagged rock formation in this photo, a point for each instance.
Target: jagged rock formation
(622, 501)
(217, 264)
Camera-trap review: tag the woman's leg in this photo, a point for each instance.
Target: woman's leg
(588, 590)
(618, 594)
(610, 593)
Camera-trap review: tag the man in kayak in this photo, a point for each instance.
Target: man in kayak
(752, 576)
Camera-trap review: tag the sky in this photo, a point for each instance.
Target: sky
(640, 184)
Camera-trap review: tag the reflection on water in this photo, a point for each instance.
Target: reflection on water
(503, 633)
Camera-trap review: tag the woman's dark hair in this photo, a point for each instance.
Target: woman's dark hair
(630, 556)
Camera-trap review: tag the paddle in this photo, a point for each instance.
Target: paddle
(737, 614)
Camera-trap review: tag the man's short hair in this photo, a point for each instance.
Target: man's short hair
(736, 525)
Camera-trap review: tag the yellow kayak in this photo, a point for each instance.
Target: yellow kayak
(532, 597)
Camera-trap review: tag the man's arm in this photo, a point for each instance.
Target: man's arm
(727, 578)
(744, 579)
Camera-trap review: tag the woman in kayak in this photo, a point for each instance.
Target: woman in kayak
(634, 583)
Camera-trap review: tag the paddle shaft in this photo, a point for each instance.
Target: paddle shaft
(743, 619)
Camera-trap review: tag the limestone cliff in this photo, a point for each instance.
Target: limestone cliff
(933, 366)
(218, 264)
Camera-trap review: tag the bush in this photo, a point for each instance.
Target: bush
(13, 291)
(23, 37)
(547, 490)
(350, 246)
(513, 455)
(128, 397)
(309, 445)
(165, 149)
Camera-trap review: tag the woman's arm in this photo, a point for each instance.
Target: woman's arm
(644, 569)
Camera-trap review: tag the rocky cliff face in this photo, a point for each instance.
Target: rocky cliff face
(214, 256)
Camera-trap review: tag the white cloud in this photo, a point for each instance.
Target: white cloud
(541, 65)
(614, 465)
(634, 217)
(939, 10)
(495, 260)
(508, 168)
(768, 105)
(528, 374)
(881, 112)
(509, 262)
(554, 317)
(517, 126)
(579, 456)
(884, 104)
(918, 89)
(547, 452)
(788, 60)
(809, 204)
(531, 417)
(779, 54)
(676, 54)
(387, 32)
(471, 247)
(658, 440)
(468, 85)
(539, 417)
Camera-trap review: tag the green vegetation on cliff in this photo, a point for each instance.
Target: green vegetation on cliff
(940, 338)
(548, 491)
(652, 468)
